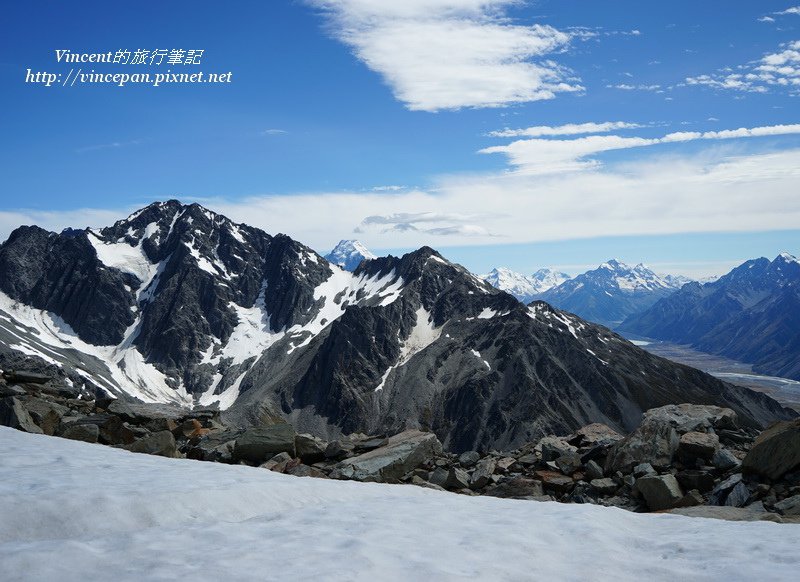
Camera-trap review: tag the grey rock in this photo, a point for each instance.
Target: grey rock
(725, 460)
(568, 463)
(738, 496)
(517, 488)
(776, 451)
(505, 463)
(14, 415)
(789, 506)
(701, 445)
(696, 479)
(482, 474)
(259, 444)
(309, 448)
(553, 447)
(604, 486)
(419, 481)
(593, 471)
(693, 417)
(26, 377)
(46, 414)
(438, 476)
(691, 499)
(660, 491)
(11, 391)
(721, 491)
(403, 453)
(338, 449)
(302, 470)
(595, 434)
(469, 458)
(87, 433)
(643, 470)
(457, 479)
(655, 441)
(727, 513)
(159, 443)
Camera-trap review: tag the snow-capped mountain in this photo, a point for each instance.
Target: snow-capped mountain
(348, 254)
(611, 292)
(752, 314)
(524, 287)
(178, 304)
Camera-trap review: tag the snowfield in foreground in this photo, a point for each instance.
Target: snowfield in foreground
(75, 511)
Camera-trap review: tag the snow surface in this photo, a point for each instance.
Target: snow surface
(524, 287)
(73, 511)
(348, 254)
(422, 335)
(122, 256)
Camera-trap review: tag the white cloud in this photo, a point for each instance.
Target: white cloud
(451, 54)
(702, 192)
(547, 156)
(774, 70)
(627, 87)
(766, 19)
(568, 129)
(274, 132)
(793, 10)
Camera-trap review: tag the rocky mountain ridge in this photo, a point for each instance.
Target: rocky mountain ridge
(526, 288)
(178, 304)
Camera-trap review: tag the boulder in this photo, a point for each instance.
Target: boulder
(693, 417)
(776, 451)
(643, 470)
(302, 470)
(555, 481)
(159, 443)
(660, 491)
(789, 506)
(457, 479)
(738, 496)
(699, 445)
(654, 442)
(593, 470)
(46, 414)
(11, 391)
(14, 415)
(278, 463)
(141, 413)
(720, 493)
(604, 486)
(309, 448)
(505, 463)
(727, 513)
(482, 475)
(25, 377)
(258, 444)
(339, 449)
(402, 454)
(568, 463)
(725, 460)
(691, 499)
(87, 433)
(696, 479)
(593, 435)
(553, 447)
(469, 458)
(438, 476)
(517, 488)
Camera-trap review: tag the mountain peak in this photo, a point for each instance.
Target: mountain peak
(349, 254)
(786, 258)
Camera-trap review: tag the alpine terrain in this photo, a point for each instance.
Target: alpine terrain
(177, 304)
(611, 292)
(752, 314)
(348, 254)
(524, 287)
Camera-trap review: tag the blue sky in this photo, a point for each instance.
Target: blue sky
(525, 134)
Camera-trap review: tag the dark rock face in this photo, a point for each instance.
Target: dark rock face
(191, 308)
(776, 451)
(760, 296)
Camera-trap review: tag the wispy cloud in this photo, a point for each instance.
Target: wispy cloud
(547, 156)
(628, 87)
(568, 129)
(56, 220)
(452, 54)
(108, 146)
(274, 132)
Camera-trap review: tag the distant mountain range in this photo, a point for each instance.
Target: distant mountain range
(526, 288)
(178, 304)
(752, 314)
(348, 254)
(611, 292)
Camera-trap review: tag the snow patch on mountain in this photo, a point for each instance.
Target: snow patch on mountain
(124, 257)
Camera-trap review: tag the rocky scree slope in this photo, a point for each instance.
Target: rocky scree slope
(178, 304)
